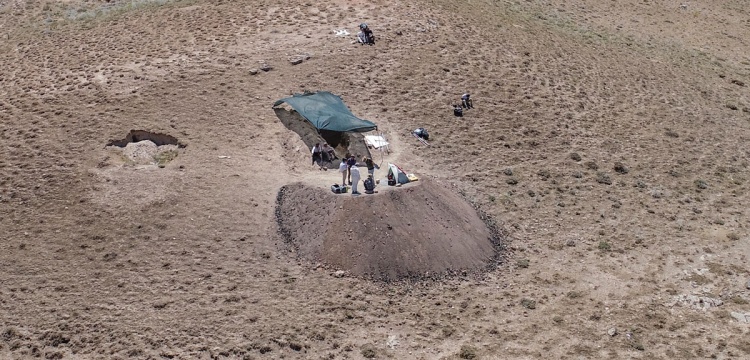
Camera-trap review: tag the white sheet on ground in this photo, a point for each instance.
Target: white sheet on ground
(375, 141)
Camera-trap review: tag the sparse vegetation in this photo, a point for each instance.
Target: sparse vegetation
(467, 352)
(528, 303)
(164, 157)
(672, 133)
(368, 351)
(605, 245)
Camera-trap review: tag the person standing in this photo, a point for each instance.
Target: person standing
(370, 166)
(343, 169)
(355, 179)
(351, 161)
(316, 154)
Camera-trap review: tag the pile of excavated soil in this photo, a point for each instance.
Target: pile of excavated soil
(423, 230)
(145, 152)
(141, 152)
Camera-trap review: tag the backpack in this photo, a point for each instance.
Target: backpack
(369, 185)
(422, 132)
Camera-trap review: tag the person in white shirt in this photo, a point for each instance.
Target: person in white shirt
(343, 169)
(355, 179)
(316, 154)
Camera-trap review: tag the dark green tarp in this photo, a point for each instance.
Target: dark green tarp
(326, 111)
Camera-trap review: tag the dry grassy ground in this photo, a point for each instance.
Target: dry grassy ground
(608, 137)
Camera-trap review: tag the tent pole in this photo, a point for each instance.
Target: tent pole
(380, 133)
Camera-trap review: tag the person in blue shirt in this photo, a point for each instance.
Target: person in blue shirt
(466, 101)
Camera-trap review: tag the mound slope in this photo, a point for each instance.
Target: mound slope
(423, 230)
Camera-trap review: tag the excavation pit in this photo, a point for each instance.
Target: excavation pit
(342, 142)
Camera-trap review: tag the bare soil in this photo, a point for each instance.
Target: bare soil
(608, 140)
(421, 230)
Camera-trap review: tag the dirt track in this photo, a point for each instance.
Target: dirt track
(609, 140)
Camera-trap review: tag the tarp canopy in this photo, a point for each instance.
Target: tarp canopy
(326, 111)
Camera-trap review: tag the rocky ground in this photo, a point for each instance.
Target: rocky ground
(607, 140)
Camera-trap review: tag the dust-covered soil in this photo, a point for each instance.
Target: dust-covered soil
(608, 140)
(421, 230)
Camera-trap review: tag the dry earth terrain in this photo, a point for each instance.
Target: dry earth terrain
(609, 141)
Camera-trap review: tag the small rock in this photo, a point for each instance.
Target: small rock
(603, 178)
(748, 285)
(571, 243)
(508, 172)
(299, 59)
(398, 32)
(266, 67)
(738, 82)
(575, 156)
(253, 71)
(741, 317)
(612, 331)
(621, 168)
(339, 273)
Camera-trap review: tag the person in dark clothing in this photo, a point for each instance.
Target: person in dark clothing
(365, 36)
(351, 161)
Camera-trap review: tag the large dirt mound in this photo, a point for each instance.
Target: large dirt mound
(423, 230)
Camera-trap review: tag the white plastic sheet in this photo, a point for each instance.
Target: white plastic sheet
(376, 141)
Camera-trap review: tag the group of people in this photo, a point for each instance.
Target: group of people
(350, 173)
(466, 103)
(322, 154)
